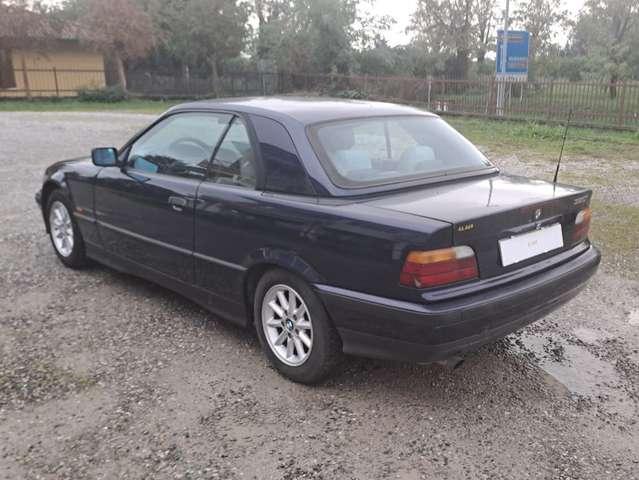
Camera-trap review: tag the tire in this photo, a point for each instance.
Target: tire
(59, 215)
(307, 320)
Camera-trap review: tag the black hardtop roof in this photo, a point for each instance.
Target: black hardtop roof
(306, 110)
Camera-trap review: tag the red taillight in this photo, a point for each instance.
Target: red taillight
(582, 225)
(439, 267)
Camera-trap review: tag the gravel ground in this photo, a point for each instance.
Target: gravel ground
(103, 375)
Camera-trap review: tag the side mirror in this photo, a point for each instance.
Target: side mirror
(104, 157)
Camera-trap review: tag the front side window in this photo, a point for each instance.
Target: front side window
(376, 151)
(234, 161)
(180, 145)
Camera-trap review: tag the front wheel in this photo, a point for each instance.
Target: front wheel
(294, 328)
(64, 232)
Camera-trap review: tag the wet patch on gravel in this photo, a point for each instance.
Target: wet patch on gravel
(103, 375)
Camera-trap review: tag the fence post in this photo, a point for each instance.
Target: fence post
(550, 95)
(55, 81)
(622, 103)
(491, 96)
(25, 78)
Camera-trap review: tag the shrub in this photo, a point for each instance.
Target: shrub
(352, 94)
(105, 95)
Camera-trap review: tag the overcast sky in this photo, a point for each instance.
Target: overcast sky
(402, 9)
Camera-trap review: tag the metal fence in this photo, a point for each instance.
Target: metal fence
(592, 103)
(148, 84)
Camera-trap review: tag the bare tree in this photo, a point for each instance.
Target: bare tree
(485, 15)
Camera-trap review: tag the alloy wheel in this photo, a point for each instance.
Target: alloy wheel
(61, 228)
(287, 325)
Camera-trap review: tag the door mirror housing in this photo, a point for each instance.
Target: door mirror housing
(105, 157)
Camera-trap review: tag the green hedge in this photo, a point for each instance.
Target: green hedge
(104, 95)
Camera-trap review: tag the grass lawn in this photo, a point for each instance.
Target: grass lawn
(503, 137)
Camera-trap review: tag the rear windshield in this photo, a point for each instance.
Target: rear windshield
(380, 150)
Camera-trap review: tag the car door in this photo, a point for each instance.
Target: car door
(145, 210)
(228, 206)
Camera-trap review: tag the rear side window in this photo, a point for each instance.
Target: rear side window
(283, 170)
(179, 145)
(376, 151)
(234, 161)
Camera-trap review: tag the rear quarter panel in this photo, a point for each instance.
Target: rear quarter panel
(351, 246)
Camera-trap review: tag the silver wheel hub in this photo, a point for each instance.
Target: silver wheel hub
(61, 228)
(287, 325)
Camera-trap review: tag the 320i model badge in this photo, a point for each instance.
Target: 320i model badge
(466, 227)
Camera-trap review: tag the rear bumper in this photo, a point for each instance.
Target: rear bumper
(372, 326)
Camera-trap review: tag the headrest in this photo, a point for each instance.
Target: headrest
(338, 138)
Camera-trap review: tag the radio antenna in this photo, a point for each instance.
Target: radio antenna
(563, 143)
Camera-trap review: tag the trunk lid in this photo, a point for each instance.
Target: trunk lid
(483, 211)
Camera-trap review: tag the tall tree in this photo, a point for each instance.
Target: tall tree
(309, 35)
(447, 26)
(272, 16)
(203, 32)
(608, 32)
(485, 15)
(540, 18)
(326, 29)
(370, 27)
(118, 28)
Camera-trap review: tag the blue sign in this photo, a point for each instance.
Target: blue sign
(517, 55)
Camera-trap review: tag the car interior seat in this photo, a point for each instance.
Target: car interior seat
(346, 159)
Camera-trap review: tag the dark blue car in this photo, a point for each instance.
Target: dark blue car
(331, 226)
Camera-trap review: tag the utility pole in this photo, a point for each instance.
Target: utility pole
(501, 86)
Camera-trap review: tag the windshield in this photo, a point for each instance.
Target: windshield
(379, 150)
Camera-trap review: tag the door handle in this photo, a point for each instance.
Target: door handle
(178, 203)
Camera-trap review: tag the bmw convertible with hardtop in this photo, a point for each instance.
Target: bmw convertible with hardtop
(329, 226)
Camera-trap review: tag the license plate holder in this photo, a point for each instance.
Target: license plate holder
(528, 245)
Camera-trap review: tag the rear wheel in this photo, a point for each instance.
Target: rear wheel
(294, 329)
(64, 232)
